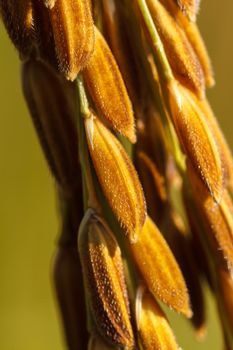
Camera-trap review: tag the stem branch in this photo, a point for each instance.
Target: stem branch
(161, 58)
(89, 193)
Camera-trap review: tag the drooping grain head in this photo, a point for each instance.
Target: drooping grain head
(121, 71)
(104, 281)
(117, 176)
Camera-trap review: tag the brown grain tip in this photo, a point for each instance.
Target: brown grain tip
(189, 8)
(49, 3)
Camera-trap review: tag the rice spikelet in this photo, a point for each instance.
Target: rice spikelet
(196, 139)
(154, 330)
(117, 176)
(104, 281)
(73, 31)
(217, 218)
(159, 269)
(107, 89)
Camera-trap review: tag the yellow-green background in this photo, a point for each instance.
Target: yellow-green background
(28, 220)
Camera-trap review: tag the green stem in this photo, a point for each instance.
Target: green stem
(175, 147)
(166, 74)
(84, 105)
(89, 193)
(126, 144)
(161, 58)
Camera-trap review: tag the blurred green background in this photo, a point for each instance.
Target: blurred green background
(28, 219)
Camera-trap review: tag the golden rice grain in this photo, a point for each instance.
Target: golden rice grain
(107, 89)
(154, 330)
(73, 31)
(104, 281)
(159, 269)
(179, 52)
(117, 176)
(196, 138)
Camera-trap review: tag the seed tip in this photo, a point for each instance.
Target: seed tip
(201, 333)
(49, 4)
